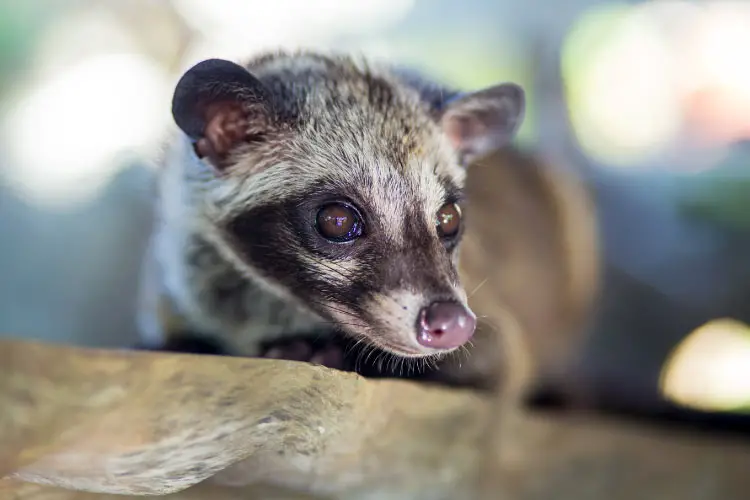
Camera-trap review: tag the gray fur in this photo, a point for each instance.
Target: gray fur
(335, 125)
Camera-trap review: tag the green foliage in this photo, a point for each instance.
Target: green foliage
(21, 22)
(724, 201)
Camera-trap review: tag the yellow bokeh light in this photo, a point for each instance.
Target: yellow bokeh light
(710, 369)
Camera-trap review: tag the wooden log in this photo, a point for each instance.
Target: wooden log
(153, 423)
(535, 457)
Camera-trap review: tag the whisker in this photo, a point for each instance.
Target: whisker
(480, 285)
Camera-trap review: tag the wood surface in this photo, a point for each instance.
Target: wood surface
(154, 423)
(105, 422)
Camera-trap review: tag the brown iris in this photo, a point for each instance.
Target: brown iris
(449, 220)
(339, 222)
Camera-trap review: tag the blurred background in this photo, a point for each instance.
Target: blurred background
(649, 101)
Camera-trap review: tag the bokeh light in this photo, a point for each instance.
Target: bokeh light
(653, 84)
(710, 369)
(68, 132)
(229, 27)
(622, 103)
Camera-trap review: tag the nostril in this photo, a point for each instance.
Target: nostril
(445, 325)
(433, 322)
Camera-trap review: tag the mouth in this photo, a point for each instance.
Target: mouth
(404, 326)
(387, 337)
(406, 352)
(440, 328)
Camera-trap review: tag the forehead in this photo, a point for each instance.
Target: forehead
(363, 136)
(388, 172)
(382, 139)
(407, 196)
(376, 124)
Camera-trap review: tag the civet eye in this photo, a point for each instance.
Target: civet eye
(448, 220)
(339, 222)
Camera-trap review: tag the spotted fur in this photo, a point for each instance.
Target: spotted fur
(236, 255)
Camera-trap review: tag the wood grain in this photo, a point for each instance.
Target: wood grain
(152, 423)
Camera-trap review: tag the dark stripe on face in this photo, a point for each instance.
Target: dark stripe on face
(266, 237)
(279, 240)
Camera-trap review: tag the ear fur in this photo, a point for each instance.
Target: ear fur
(484, 121)
(219, 104)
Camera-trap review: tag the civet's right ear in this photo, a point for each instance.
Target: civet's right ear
(480, 122)
(219, 105)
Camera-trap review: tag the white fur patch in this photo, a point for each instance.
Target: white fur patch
(397, 313)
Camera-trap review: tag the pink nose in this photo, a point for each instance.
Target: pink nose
(445, 325)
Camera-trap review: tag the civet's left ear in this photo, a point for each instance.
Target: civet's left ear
(481, 122)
